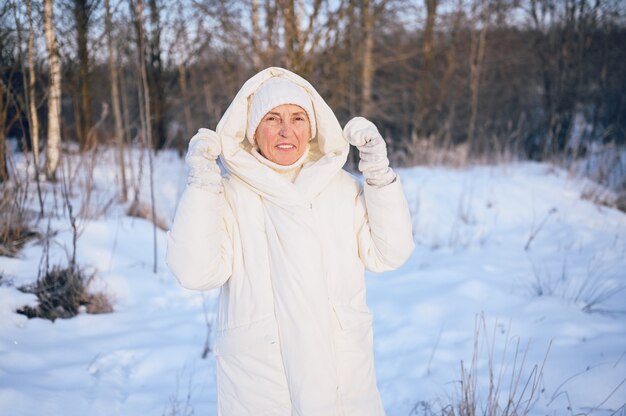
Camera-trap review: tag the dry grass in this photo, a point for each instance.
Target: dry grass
(505, 386)
(140, 210)
(15, 221)
(14, 238)
(428, 151)
(62, 293)
(590, 287)
(180, 402)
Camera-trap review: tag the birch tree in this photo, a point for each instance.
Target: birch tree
(54, 94)
(115, 102)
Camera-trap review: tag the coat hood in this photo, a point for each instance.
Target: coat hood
(233, 124)
(327, 155)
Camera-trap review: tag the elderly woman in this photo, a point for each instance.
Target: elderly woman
(287, 235)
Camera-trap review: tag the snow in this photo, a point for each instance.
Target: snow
(509, 258)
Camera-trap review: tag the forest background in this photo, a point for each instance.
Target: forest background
(523, 79)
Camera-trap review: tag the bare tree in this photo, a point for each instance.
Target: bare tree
(4, 105)
(8, 65)
(146, 125)
(367, 73)
(477, 56)
(31, 102)
(83, 10)
(256, 35)
(563, 43)
(115, 101)
(183, 52)
(182, 80)
(159, 101)
(33, 118)
(54, 94)
(425, 82)
(300, 43)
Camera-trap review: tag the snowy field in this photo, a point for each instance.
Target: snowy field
(515, 276)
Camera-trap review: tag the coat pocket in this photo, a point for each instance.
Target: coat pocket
(355, 333)
(242, 338)
(351, 318)
(250, 375)
(355, 361)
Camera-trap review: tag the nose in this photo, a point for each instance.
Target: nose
(285, 129)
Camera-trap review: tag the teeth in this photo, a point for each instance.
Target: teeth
(285, 146)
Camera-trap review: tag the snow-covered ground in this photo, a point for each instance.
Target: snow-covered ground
(512, 267)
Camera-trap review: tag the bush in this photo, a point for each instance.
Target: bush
(61, 293)
(15, 230)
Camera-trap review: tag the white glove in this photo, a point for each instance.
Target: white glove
(204, 148)
(374, 165)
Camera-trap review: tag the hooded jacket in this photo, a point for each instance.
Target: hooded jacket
(294, 334)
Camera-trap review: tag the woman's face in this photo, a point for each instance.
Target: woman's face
(283, 133)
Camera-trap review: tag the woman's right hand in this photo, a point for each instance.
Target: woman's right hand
(205, 144)
(204, 148)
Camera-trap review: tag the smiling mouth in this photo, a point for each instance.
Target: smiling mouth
(285, 146)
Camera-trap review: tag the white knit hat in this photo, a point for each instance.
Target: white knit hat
(272, 93)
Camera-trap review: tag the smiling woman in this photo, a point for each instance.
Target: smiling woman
(283, 134)
(287, 234)
(281, 121)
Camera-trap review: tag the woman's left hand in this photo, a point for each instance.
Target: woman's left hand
(374, 164)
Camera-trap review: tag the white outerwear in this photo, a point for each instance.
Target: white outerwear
(294, 334)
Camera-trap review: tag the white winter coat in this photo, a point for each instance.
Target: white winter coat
(294, 334)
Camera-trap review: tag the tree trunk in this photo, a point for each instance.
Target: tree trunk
(347, 67)
(477, 55)
(425, 123)
(182, 81)
(155, 80)
(271, 9)
(428, 52)
(146, 123)
(54, 95)
(256, 34)
(115, 101)
(429, 39)
(367, 73)
(81, 18)
(4, 105)
(212, 110)
(32, 99)
(291, 35)
(126, 126)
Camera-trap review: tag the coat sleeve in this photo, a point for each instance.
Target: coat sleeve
(384, 227)
(199, 248)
